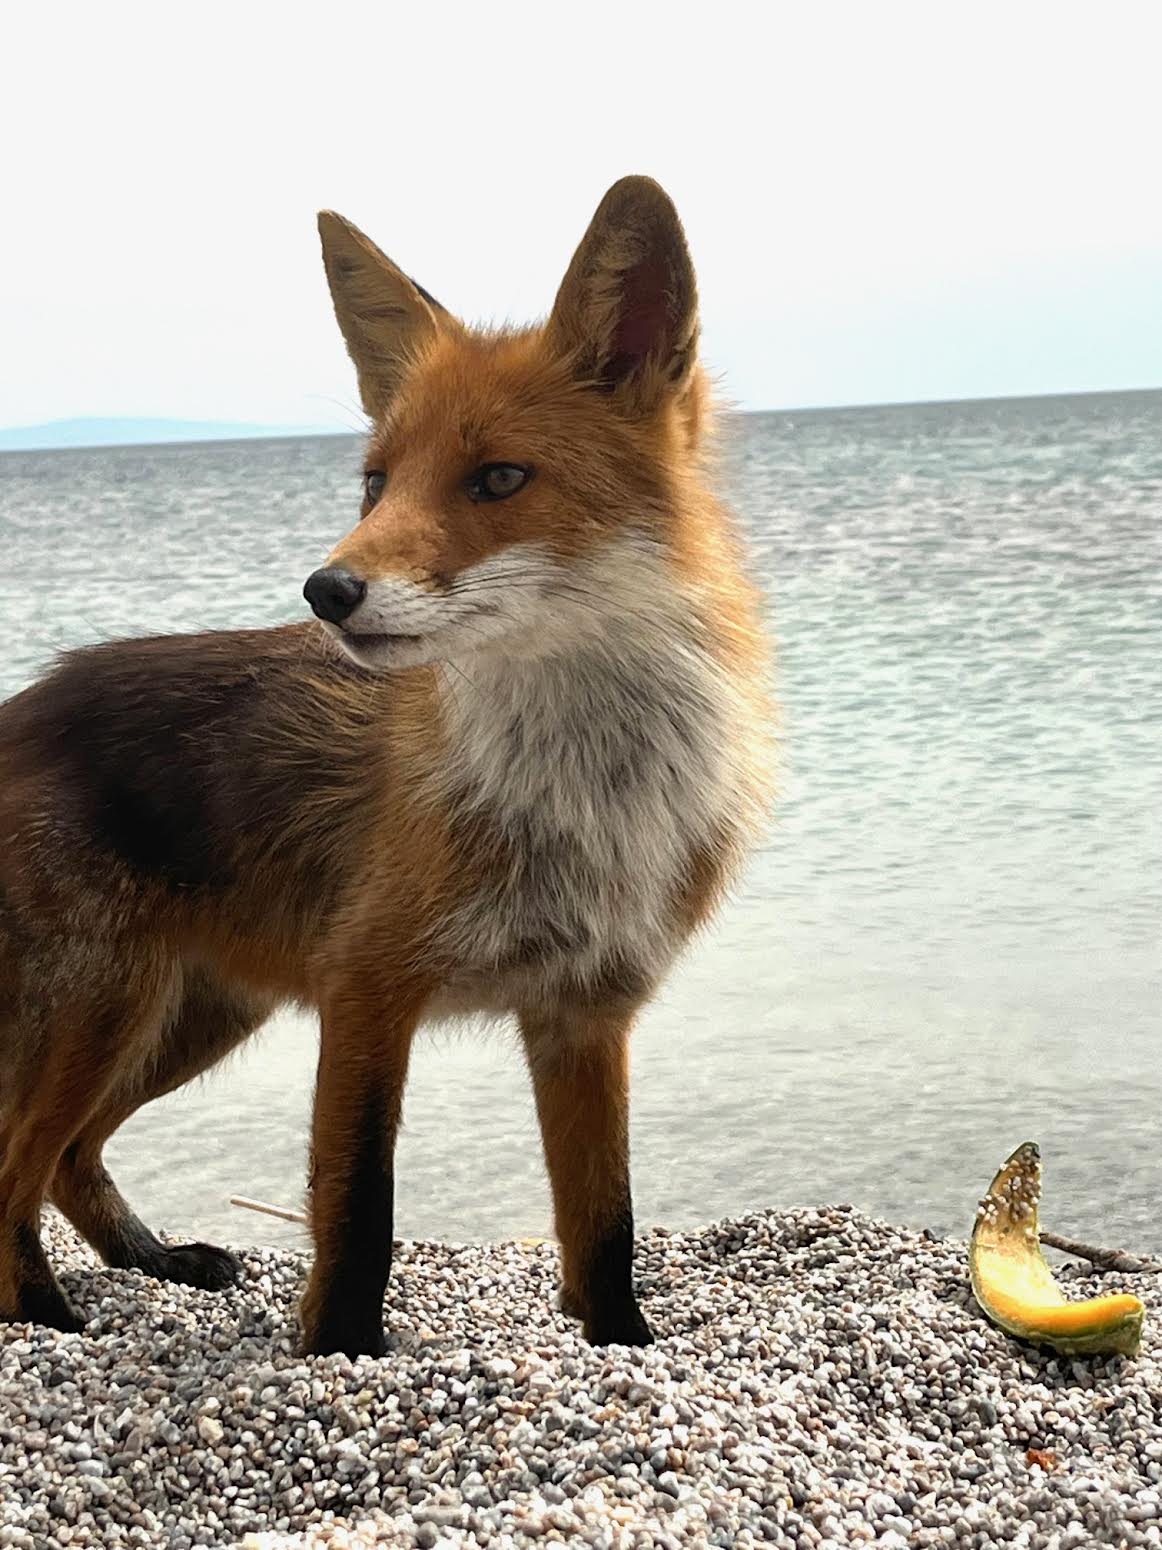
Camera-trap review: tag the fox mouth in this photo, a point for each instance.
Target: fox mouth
(380, 650)
(379, 639)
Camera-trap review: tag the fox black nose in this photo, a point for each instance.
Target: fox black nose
(334, 593)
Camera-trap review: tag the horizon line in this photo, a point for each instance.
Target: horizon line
(274, 433)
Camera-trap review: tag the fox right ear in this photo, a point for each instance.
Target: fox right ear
(384, 316)
(627, 310)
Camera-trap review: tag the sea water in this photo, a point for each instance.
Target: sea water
(949, 940)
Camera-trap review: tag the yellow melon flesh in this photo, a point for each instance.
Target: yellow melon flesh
(1015, 1286)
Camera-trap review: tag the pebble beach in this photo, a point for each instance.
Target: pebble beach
(819, 1379)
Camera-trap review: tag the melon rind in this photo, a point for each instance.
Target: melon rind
(1013, 1283)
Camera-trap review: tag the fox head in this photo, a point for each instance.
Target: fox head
(503, 465)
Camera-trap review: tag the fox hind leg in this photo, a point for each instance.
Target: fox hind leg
(210, 1021)
(67, 1053)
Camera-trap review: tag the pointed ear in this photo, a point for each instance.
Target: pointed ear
(627, 309)
(384, 316)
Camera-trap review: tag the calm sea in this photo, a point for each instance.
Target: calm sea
(950, 941)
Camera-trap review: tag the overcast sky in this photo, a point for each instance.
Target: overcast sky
(884, 202)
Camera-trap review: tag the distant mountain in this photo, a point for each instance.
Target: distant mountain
(128, 432)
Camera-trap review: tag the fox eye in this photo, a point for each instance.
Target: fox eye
(374, 484)
(497, 481)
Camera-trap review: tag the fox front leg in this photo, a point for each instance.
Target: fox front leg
(580, 1072)
(363, 1065)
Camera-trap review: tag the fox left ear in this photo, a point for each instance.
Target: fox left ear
(384, 317)
(627, 309)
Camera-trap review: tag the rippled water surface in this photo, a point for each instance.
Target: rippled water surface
(950, 941)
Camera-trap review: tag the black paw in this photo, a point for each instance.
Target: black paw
(49, 1306)
(622, 1325)
(196, 1264)
(333, 1339)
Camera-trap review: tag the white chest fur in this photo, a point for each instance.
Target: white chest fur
(598, 772)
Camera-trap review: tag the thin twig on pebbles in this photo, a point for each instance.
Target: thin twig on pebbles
(1102, 1259)
(284, 1213)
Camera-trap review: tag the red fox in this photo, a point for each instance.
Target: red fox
(508, 769)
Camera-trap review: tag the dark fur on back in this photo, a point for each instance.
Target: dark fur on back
(183, 768)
